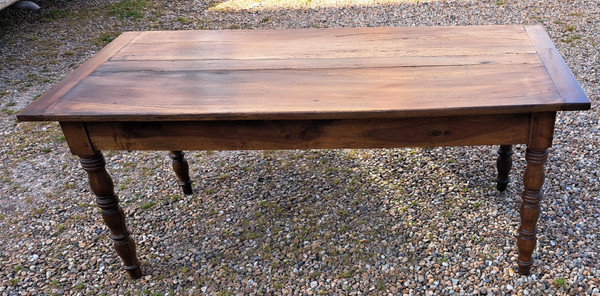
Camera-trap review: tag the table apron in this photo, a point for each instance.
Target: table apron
(300, 134)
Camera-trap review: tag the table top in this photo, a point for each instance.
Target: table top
(337, 73)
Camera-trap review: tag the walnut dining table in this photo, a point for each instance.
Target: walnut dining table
(315, 89)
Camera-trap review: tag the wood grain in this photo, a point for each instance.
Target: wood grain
(302, 94)
(338, 73)
(50, 97)
(505, 34)
(566, 85)
(77, 138)
(327, 43)
(310, 134)
(313, 63)
(541, 131)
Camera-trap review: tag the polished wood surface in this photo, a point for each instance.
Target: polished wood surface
(315, 88)
(340, 73)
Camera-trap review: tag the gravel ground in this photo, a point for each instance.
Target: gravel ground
(324, 222)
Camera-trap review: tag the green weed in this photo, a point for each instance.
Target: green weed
(128, 8)
(559, 282)
(147, 205)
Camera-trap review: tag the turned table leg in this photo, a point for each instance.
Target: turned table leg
(102, 185)
(504, 164)
(182, 170)
(533, 181)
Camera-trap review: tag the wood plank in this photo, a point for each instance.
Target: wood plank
(302, 94)
(566, 84)
(314, 134)
(37, 107)
(327, 43)
(77, 138)
(508, 33)
(314, 63)
(332, 49)
(541, 131)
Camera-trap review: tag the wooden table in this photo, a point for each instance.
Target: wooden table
(315, 88)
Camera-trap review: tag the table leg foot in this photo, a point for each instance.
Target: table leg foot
(182, 171)
(524, 267)
(533, 181)
(504, 164)
(103, 187)
(134, 271)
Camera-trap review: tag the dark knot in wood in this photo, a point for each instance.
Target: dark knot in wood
(438, 133)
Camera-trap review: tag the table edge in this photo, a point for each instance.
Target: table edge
(232, 116)
(37, 108)
(564, 81)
